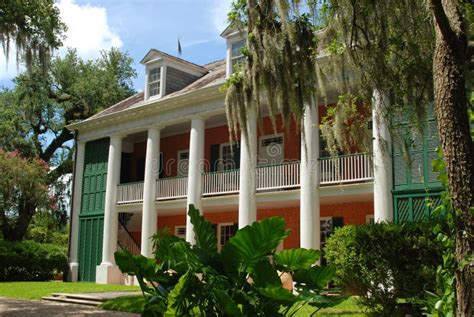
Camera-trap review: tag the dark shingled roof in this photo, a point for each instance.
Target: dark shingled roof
(216, 75)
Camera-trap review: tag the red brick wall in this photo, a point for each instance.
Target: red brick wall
(353, 213)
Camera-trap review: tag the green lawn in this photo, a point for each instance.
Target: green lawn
(134, 304)
(36, 290)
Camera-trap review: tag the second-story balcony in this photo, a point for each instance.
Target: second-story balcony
(353, 168)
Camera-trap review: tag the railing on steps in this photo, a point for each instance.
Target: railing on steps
(126, 241)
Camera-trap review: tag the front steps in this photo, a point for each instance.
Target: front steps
(89, 299)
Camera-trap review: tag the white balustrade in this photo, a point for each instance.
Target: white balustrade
(345, 169)
(222, 182)
(278, 176)
(130, 193)
(171, 188)
(338, 170)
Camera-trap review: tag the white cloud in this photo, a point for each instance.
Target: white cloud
(10, 70)
(88, 29)
(220, 8)
(88, 32)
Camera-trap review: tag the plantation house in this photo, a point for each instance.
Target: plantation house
(142, 161)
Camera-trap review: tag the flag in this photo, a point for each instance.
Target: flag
(179, 47)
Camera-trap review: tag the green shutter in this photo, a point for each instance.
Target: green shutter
(214, 157)
(415, 207)
(91, 216)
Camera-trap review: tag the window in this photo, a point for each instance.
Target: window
(183, 162)
(271, 150)
(154, 81)
(369, 219)
(237, 57)
(224, 233)
(180, 232)
(227, 157)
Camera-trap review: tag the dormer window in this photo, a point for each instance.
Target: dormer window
(237, 57)
(154, 81)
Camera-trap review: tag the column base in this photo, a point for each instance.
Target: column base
(108, 273)
(73, 274)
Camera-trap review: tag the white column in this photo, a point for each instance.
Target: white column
(309, 176)
(248, 166)
(76, 209)
(195, 170)
(107, 272)
(149, 215)
(382, 159)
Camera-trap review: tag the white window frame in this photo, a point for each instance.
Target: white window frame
(219, 226)
(240, 56)
(176, 230)
(149, 83)
(271, 136)
(178, 162)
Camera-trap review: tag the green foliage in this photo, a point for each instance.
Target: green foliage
(34, 27)
(442, 300)
(44, 228)
(242, 280)
(23, 182)
(385, 262)
(31, 261)
(36, 111)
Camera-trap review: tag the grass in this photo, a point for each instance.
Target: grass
(36, 290)
(134, 304)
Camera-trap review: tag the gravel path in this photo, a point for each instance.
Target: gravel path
(21, 308)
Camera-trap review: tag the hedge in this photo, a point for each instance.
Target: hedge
(30, 261)
(385, 263)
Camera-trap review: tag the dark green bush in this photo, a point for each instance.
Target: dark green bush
(30, 261)
(385, 263)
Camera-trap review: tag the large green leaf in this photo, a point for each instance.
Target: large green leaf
(265, 275)
(204, 232)
(278, 294)
(316, 277)
(228, 305)
(175, 294)
(252, 243)
(296, 259)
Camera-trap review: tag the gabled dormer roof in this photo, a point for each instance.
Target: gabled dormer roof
(232, 29)
(154, 55)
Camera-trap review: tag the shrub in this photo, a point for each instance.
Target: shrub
(30, 261)
(384, 263)
(242, 280)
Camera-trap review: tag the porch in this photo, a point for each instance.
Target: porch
(344, 169)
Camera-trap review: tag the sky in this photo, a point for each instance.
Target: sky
(136, 26)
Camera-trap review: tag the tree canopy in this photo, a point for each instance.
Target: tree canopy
(36, 111)
(34, 27)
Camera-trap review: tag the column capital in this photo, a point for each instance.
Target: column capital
(118, 136)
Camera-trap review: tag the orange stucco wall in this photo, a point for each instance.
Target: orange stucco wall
(352, 213)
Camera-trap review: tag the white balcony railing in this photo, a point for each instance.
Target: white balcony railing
(130, 193)
(345, 169)
(278, 176)
(339, 170)
(171, 188)
(223, 182)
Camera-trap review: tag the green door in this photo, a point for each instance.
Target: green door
(91, 217)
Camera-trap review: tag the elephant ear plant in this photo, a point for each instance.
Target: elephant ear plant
(242, 280)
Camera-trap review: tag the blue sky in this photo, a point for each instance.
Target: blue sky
(137, 26)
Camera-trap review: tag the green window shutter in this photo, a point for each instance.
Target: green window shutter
(214, 157)
(236, 149)
(337, 222)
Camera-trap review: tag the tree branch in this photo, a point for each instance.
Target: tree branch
(64, 136)
(442, 21)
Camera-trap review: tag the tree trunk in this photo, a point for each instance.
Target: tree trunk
(449, 66)
(15, 230)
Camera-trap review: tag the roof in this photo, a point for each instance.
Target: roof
(216, 74)
(161, 54)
